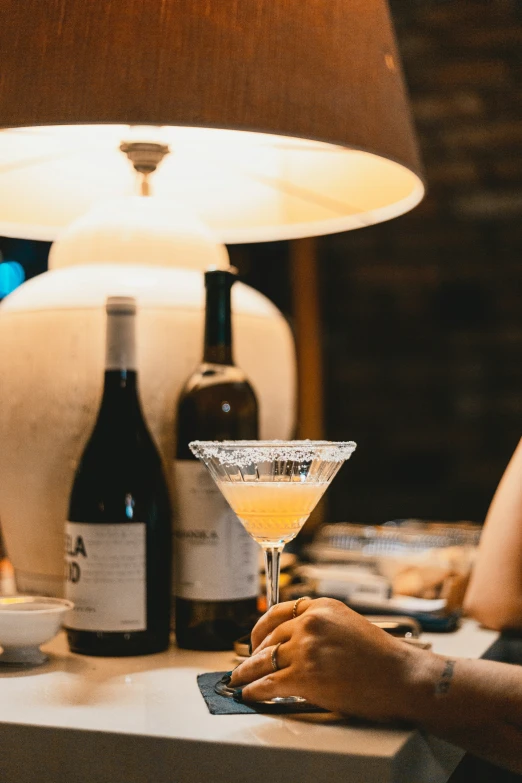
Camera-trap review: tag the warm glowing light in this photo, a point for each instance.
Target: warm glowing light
(244, 186)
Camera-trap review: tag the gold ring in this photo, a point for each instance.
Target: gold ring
(273, 656)
(296, 604)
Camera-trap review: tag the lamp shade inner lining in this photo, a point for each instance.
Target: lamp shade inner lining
(246, 187)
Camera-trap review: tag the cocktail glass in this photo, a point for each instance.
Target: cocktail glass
(273, 486)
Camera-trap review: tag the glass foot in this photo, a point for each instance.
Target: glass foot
(224, 690)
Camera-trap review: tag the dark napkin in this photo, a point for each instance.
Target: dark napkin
(222, 705)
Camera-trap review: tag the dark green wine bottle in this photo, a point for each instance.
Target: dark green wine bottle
(118, 534)
(215, 560)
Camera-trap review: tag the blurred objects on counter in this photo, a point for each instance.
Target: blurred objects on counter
(401, 627)
(409, 567)
(350, 583)
(430, 560)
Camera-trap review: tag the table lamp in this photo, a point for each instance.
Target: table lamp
(247, 121)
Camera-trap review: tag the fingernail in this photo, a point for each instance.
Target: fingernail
(226, 678)
(238, 694)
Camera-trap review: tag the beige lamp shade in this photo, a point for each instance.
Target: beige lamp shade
(284, 118)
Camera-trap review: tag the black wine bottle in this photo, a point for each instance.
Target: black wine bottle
(215, 560)
(118, 534)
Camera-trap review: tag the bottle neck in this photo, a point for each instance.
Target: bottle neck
(218, 322)
(120, 353)
(120, 393)
(120, 400)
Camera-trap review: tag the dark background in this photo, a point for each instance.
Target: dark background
(422, 316)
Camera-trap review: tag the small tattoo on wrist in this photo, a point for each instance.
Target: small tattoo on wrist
(444, 683)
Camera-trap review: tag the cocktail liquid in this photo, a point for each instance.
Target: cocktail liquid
(273, 512)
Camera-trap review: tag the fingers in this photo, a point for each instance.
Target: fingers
(269, 687)
(270, 620)
(281, 633)
(261, 665)
(278, 614)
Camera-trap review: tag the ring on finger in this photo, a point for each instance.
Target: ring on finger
(296, 604)
(273, 656)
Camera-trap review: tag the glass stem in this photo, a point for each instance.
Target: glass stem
(272, 560)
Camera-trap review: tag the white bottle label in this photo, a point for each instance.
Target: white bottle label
(106, 576)
(214, 557)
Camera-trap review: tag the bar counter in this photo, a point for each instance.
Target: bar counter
(140, 720)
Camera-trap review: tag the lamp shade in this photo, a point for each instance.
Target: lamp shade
(284, 118)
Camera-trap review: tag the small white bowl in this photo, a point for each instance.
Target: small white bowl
(26, 622)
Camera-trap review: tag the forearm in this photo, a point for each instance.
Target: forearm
(494, 595)
(474, 704)
(499, 616)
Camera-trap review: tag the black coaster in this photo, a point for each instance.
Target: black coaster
(222, 705)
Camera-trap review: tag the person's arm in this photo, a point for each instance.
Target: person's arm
(494, 595)
(338, 660)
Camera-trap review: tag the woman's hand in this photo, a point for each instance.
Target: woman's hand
(331, 656)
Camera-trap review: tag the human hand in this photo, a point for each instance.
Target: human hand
(331, 656)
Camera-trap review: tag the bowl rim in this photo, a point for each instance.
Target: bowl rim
(8, 605)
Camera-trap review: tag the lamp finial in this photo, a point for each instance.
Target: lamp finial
(145, 156)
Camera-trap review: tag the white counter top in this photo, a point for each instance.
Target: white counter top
(141, 720)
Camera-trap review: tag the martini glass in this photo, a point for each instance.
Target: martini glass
(272, 486)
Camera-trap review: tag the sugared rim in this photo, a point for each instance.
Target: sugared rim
(271, 443)
(10, 603)
(242, 452)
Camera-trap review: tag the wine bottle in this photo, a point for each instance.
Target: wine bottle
(118, 534)
(215, 560)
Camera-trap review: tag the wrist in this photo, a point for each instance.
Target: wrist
(423, 680)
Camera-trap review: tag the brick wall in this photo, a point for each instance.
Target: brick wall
(422, 316)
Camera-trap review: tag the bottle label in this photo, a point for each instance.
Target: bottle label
(214, 557)
(106, 576)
